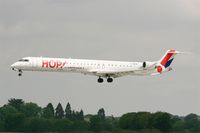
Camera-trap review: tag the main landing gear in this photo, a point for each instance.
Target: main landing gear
(100, 80)
(109, 80)
(20, 73)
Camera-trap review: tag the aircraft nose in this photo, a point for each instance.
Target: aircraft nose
(14, 66)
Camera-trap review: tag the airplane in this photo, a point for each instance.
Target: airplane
(100, 68)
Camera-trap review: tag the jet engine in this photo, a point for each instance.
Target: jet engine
(147, 64)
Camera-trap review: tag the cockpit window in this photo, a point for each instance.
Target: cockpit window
(24, 60)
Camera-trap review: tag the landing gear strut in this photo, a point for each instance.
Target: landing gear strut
(100, 80)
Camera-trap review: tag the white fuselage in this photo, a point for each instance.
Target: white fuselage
(100, 68)
(78, 65)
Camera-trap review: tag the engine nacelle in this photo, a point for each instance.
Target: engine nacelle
(147, 64)
(144, 64)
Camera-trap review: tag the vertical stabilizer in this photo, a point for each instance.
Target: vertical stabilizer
(168, 58)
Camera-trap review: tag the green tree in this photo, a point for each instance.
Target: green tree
(73, 116)
(4, 112)
(77, 115)
(161, 121)
(110, 124)
(31, 110)
(59, 112)
(81, 115)
(68, 112)
(143, 120)
(36, 124)
(16, 103)
(178, 125)
(80, 126)
(192, 122)
(48, 111)
(50, 106)
(127, 121)
(96, 123)
(63, 125)
(2, 126)
(101, 113)
(14, 122)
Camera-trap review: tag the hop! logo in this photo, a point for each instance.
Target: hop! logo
(159, 69)
(53, 64)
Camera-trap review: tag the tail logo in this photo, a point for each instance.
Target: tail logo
(159, 69)
(168, 58)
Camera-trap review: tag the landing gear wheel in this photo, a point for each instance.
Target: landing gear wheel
(100, 80)
(109, 80)
(20, 73)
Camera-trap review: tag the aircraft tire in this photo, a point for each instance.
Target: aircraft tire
(109, 80)
(100, 80)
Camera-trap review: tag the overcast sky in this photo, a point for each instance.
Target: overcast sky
(126, 30)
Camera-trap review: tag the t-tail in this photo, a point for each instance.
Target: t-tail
(165, 62)
(168, 58)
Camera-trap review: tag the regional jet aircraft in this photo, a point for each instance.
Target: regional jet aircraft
(100, 68)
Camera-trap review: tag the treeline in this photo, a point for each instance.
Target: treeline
(18, 116)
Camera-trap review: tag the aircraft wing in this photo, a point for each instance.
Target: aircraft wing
(112, 73)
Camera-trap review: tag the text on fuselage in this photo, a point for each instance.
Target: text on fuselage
(53, 64)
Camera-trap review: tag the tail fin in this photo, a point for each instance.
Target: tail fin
(167, 59)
